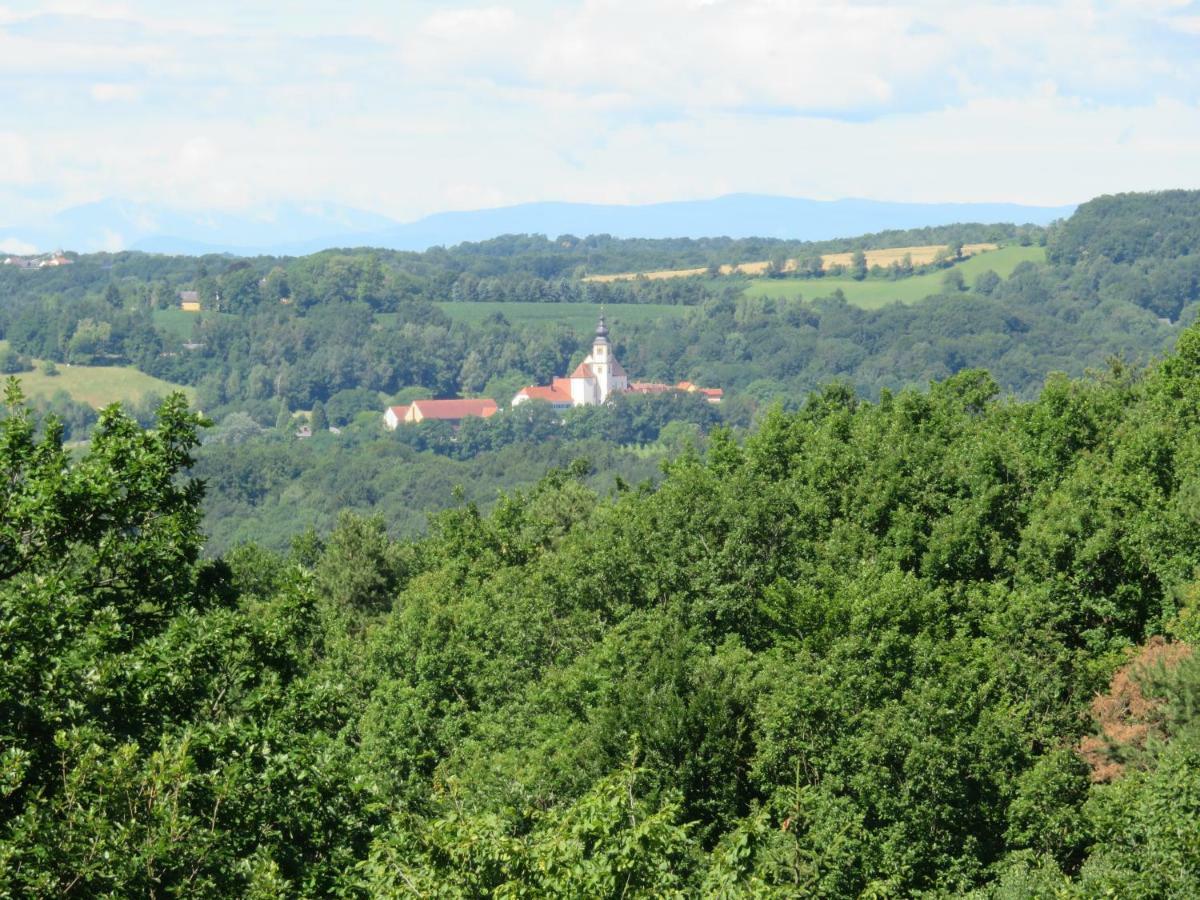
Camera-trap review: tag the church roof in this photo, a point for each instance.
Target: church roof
(618, 370)
(583, 370)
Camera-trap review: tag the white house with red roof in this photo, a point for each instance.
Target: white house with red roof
(558, 394)
(453, 411)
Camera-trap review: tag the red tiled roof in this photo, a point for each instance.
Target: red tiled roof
(455, 409)
(583, 370)
(400, 412)
(549, 394)
(649, 387)
(561, 384)
(712, 392)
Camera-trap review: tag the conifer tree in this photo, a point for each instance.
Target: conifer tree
(318, 421)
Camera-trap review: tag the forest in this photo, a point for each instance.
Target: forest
(884, 623)
(939, 642)
(366, 328)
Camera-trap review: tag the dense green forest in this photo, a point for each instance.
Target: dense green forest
(848, 634)
(363, 328)
(937, 642)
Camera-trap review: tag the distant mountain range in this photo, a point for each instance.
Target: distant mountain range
(288, 229)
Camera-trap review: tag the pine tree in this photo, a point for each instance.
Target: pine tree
(317, 420)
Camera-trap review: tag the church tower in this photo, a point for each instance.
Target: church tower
(602, 360)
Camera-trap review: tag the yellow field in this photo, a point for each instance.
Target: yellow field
(885, 257)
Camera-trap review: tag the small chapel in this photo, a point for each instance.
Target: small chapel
(597, 378)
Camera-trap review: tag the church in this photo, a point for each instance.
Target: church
(597, 378)
(594, 380)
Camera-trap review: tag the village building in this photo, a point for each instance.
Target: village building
(189, 301)
(453, 411)
(599, 377)
(45, 261)
(558, 394)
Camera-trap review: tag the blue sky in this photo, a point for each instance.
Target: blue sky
(414, 107)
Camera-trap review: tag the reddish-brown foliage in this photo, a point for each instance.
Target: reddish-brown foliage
(1125, 717)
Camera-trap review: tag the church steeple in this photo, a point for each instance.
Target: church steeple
(601, 329)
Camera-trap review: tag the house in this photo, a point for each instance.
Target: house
(599, 377)
(453, 411)
(394, 416)
(189, 301)
(712, 395)
(55, 260)
(19, 261)
(558, 394)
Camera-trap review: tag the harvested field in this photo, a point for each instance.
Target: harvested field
(885, 257)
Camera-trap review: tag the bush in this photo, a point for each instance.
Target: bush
(12, 362)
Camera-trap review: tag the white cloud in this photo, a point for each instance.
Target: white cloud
(106, 92)
(111, 242)
(16, 159)
(411, 108)
(845, 58)
(18, 247)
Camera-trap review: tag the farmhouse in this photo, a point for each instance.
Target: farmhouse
(712, 395)
(189, 301)
(598, 377)
(558, 394)
(453, 411)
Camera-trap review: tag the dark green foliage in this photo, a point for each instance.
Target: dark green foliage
(850, 651)
(1127, 227)
(12, 362)
(317, 419)
(851, 654)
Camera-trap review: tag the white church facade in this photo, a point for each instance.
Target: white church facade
(594, 380)
(597, 378)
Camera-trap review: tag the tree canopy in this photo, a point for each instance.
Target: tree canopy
(855, 653)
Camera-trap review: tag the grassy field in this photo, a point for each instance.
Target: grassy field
(176, 322)
(872, 294)
(926, 253)
(580, 316)
(96, 386)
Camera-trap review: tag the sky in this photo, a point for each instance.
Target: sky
(409, 108)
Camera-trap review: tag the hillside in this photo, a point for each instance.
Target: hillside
(884, 256)
(877, 292)
(96, 386)
(941, 643)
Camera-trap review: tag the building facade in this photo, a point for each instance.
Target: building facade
(594, 380)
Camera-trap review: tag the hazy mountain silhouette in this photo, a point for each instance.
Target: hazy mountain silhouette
(296, 228)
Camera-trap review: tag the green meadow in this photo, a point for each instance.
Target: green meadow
(875, 293)
(179, 323)
(96, 386)
(579, 316)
